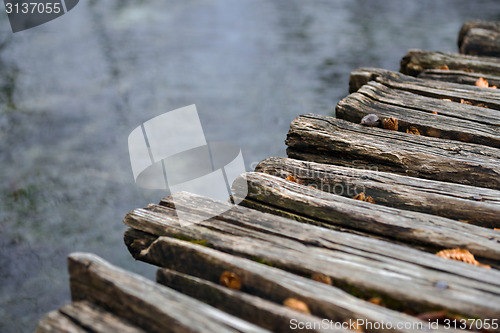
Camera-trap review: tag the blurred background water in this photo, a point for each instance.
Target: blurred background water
(73, 89)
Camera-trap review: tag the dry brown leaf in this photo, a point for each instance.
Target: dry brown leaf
(482, 105)
(230, 280)
(296, 305)
(391, 124)
(320, 277)
(465, 221)
(482, 83)
(363, 197)
(434, 112)
(460, 255)
(376, 300)
(413, 130)
(293, 179)
(445, 67)
(463, 101)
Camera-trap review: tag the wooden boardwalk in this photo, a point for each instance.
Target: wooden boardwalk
(342, 235)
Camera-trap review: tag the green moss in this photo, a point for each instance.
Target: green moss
(191, 240)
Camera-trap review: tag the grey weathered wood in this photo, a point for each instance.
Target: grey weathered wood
(415, 61)
(269, 315)
(481, 38)
(431, 88)
(329, 140)
(475, 205)
(264, 281)
(391, 223)
(144, 303)
(327, 302)
(454, 121)
(56, 322)
(94, 319)
(346, 258)
(460, 77)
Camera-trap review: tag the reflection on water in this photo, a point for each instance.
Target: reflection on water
(73, 89)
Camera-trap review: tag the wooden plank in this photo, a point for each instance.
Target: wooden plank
(480, 38)
(415, 61)
(93, 319)
(391, 223)
(276, 285)
(272, 316)
(453, 121)
(349, 260)
(430, 88)
(275, 225)
(144, 303)
(333, 141)
(475, 205)
(267, 282)
(56, 322)
(460, 77)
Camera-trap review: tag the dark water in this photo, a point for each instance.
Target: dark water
(73, 89)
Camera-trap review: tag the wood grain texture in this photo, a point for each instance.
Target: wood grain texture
(460, 77)
(475, 205)
(267, 282)
(270, 315)
(480, 38)
(415, 61)
(350, 260)
(333, 141)
(391, 223)
(430, 88)
(143, 303)
(453, 121)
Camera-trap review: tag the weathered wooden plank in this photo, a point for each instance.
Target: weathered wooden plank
(344, 258)
(480, 38)
(391, 223)
(415, 61)
(93, 319)
(56, 322)
(144, 303)
(274, 317)
(329, 140)
(454, 121)
(430, 88)
(276, 285)
(460, 77)
(475, 205)
(306, 234)
(267, 282)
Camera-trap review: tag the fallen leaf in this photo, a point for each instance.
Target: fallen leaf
(296, 305)
(363, 197)
(413, 130)
(445, 67)
(460, 255)
(230, 280)
(320, 277)
(391, 123)
(375, 300)
(463, 101)
(482, 83)
(293, 179)
(434, 112)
